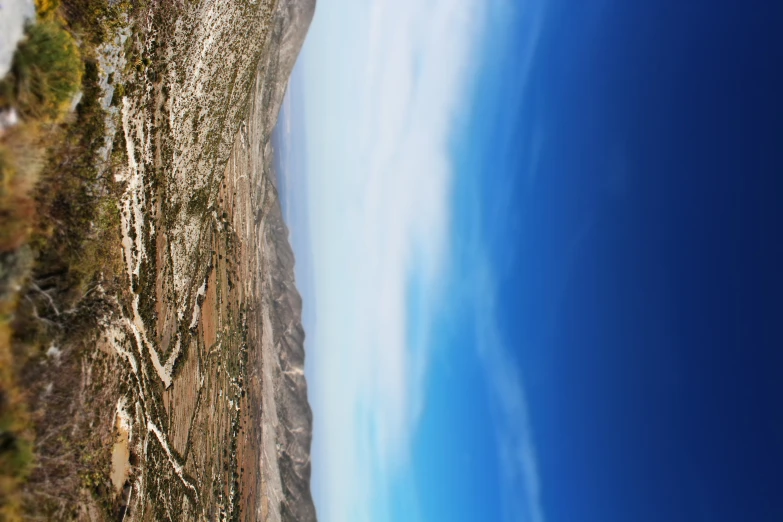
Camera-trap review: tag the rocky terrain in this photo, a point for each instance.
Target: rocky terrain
(190, 392)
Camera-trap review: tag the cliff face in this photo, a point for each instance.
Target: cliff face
(212, 404)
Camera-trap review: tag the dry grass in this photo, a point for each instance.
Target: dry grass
(21, 159)
(45, 75)
(59, 231)
(16, 455)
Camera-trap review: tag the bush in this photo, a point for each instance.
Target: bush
(46, 72)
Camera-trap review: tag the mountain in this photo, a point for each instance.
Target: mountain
(172, 386)
(286, 421)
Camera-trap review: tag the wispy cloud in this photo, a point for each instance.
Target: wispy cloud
(516, 448)
(521, 482)
(385, 81)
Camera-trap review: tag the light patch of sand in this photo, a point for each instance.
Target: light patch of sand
(120, 455)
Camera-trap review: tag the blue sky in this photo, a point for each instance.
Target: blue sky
(537, 244)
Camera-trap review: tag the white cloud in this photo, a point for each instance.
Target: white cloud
(384, 81)
(382, 93)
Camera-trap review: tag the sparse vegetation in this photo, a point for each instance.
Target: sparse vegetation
(59, 227)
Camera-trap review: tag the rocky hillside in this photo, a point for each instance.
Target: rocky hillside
(188, 398)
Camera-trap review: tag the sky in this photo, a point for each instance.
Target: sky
(538, 247)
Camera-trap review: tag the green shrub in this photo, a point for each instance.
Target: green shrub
(46, 72)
